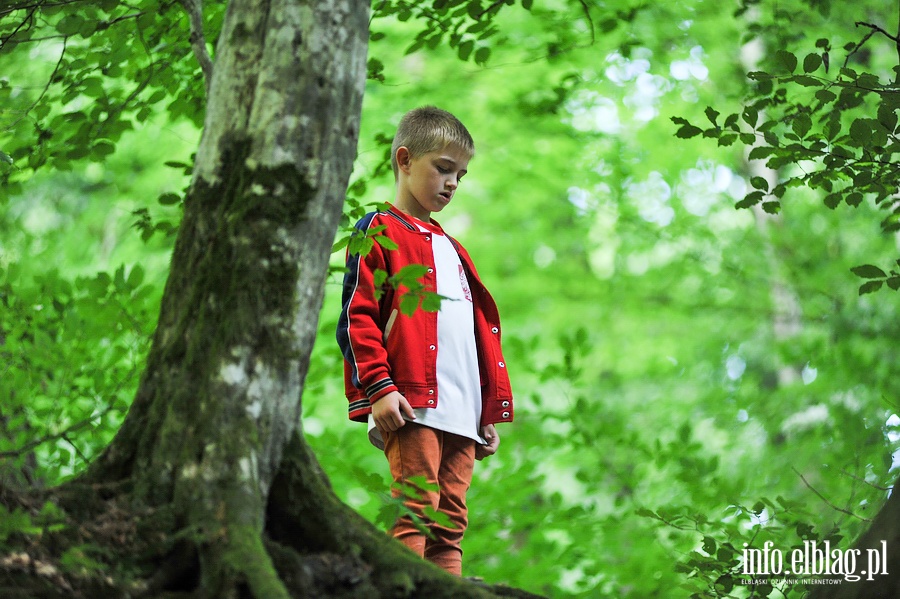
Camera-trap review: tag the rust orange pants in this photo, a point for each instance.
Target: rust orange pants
(444, 459)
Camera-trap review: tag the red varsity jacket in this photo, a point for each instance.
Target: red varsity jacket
(386, 350)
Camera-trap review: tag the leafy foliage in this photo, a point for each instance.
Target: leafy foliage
(833, 130)
(59, 404)
(105, 67)
(464, 25)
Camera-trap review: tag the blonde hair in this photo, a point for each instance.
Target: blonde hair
(427, 129)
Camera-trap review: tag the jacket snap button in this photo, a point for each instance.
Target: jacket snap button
(431, 402)
(505, 404)
(430, 270)
(505, 414)
(502, 365)
(431, 392)
(431, 347)
(495, 330)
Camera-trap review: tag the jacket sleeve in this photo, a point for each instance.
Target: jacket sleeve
(360, 332)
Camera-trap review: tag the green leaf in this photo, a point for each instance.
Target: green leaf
(887, 116)
(786, 60)
(482, 55)
(684, 433)
(807, 81)
(102, 149)
(750, 116)
(759, 183)
(135, 277)
(832, 200)
(801, 124)
(870, 287)
(751, 199)
(431, 302)
(760, 152)
(465, 49)
(168, 199)
(379, 277)
(860, 131)
(70, 24)
(686, 131)
(772, 207)
(826, 96)
(386, 242)
(812, 62)
(410, 273)
(409, 303)
(868, 271)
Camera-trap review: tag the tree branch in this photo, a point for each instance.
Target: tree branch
(864, 481)
(194, 10)
(828, 503)
(61, 435)
(28, 20)
(874, 27)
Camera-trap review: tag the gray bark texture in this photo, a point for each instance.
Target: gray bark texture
(240, 309)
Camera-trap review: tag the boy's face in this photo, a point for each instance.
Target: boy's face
(426, 184)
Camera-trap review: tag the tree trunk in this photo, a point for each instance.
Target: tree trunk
(221, 392)
(220, 397)
(884, 582)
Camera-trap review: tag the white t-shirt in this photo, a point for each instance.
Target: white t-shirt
(458, 381)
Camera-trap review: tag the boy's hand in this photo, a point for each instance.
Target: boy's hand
(388, 412)
(492, 437)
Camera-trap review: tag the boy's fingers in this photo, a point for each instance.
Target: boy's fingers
(407, 409)
(398, 419)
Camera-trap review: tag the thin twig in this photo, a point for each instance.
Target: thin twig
(828, 503)
(12, 453)
(29, 19)
(864, 481)
(590, 20)
(25, 113)
(874, 27)
(496, 4)
(194, 9)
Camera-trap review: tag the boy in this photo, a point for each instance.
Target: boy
(431, 385)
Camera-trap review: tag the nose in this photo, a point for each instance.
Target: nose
(452, 181)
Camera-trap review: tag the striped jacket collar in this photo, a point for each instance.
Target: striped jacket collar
(408, 220)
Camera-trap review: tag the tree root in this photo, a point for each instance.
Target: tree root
(247, 558)
(313, 547)
(306, 515)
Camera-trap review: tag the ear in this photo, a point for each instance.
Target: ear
(403, 159)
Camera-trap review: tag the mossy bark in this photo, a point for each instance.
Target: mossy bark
(195, 497)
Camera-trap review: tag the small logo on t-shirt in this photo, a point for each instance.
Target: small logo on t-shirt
(464, 282)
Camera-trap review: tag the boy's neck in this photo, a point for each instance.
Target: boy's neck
(416, 211)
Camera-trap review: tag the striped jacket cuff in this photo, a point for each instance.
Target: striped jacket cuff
(359, 406)
(380, 388)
